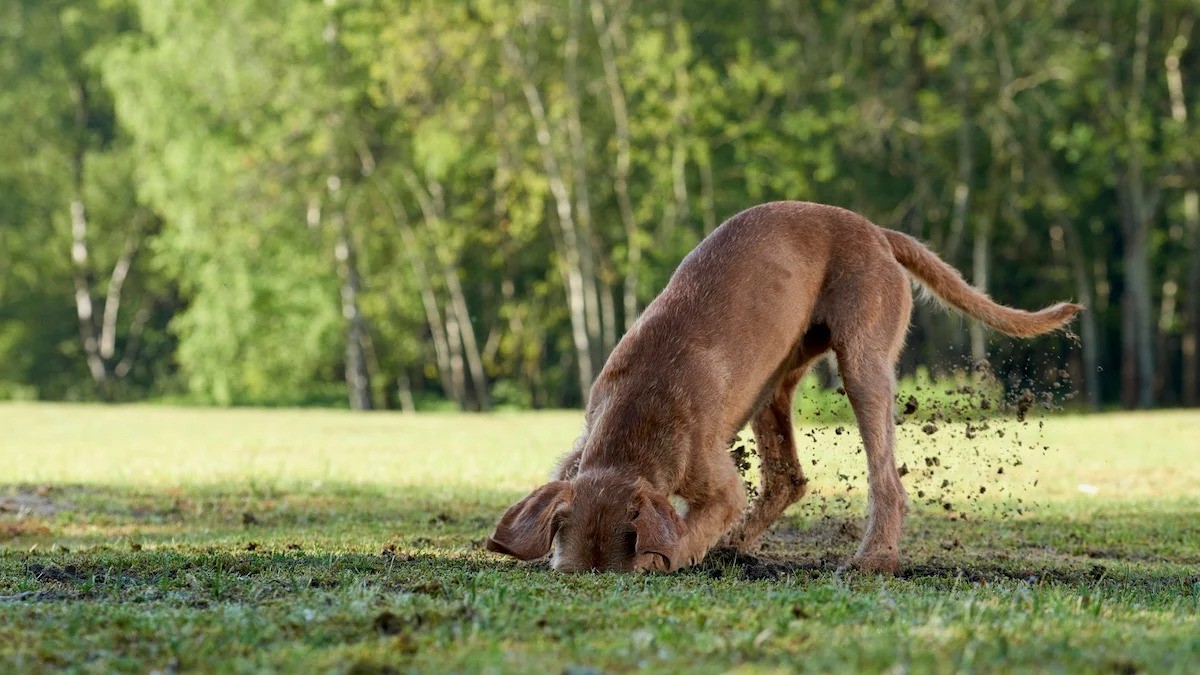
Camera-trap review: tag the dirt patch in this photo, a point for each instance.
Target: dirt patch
(822, 548)
(31, 596)
(984, 572)
(24, 510)
(67, 574)
(25, 527)
(722, 563)
(746, 566)
(42, 500)
(788, 551)
(827, 534)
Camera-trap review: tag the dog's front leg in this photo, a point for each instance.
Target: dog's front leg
(783, 482)
(711, 512)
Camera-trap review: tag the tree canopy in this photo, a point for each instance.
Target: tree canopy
(395, 203)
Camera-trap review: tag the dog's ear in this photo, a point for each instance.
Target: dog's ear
(657, 525)
(527, 529)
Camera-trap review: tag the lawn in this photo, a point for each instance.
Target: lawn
(152, 538)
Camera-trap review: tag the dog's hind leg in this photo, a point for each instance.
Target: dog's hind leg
(870, 386)
(867, 346)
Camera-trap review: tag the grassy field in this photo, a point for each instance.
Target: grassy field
(150, 538)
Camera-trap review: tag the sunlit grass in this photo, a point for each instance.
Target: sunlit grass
(134, 538)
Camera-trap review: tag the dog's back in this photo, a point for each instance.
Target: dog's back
(738, 304)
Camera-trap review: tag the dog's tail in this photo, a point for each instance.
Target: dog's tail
(947, 284)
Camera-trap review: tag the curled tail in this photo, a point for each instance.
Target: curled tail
(948, 285)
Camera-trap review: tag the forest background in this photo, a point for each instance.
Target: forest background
(445, 203)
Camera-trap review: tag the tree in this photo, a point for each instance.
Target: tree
(84, 169)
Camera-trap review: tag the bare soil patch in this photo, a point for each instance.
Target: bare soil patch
(40, 500)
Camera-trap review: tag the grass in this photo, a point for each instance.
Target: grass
(152, 538)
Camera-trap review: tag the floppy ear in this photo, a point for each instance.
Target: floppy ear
(657, 525)
(526, 530)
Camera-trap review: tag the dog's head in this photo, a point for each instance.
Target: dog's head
(595, 522)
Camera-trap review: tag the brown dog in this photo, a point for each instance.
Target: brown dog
(726, 342)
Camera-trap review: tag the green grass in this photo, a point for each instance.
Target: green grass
(142, 538)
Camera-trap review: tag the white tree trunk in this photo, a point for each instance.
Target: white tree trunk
(571, 245)
(621, 168)
(358, 379)
(1190, 344)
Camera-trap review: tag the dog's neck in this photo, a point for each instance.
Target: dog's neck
(637, 437)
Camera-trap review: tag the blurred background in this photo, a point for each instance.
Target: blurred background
(464, 204)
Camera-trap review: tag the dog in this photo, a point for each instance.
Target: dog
(739, 324)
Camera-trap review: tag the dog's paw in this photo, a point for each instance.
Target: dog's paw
(689, 559)
(878, 563)
(741, 542)
(651, 562)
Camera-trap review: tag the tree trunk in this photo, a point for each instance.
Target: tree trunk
(98, 334)
(404, 395)
(458, 303)
(80, 254)
(1190, 342)
(1164, 380)
(1087, 319)
(571, 245)
(1138, 326)
(84, 305)
(112, 299)
(589, 243)
(433, 312)
(980, 259)
(616, 95)
(677, 211)
(460, 328)
(962, 185)
(358, 379)
(458, 374)
(1191, 335)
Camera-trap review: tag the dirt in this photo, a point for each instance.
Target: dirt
(69, 574)
(926, 419)
(827, 544)
(387, 623)
(773, 565)
(742, 455)
(23, 512)
(826, 534)
(26, 527)
(966, 412)
(747, 567)
(41, 500)
(756, 567)
(1024, 403)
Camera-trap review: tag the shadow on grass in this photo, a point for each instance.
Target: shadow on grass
(238, 541)
(198, 578)
(975, 569)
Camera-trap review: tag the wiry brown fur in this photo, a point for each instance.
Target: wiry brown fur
(741, 321)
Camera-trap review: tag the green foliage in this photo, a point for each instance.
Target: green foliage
(514, 178)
